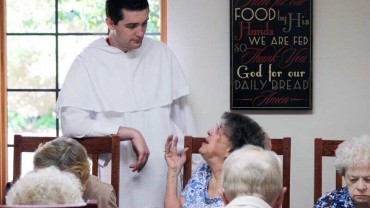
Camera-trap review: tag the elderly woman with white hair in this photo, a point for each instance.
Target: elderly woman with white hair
(252, 177)
(352, 161)
(46, 186)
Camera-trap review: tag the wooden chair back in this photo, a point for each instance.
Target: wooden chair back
(88, 204)
(324, 148)
(280, 146)
(94, 146)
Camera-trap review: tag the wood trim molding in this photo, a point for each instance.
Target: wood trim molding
(3, 102)
(163, 21)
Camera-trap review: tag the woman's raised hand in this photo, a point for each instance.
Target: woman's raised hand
(174, 161)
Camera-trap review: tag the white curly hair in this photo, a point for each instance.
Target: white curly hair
(352, 153)
(46, 186)
(252, 170)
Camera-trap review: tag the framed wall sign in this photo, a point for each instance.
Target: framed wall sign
(271, 54)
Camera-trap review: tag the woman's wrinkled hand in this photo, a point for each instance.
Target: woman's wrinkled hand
(174, 161)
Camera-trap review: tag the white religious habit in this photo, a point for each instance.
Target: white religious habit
(144, 89)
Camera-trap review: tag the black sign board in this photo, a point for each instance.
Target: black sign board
(271, 54)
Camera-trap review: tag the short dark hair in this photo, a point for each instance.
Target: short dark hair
(242, 130)
(113, 8)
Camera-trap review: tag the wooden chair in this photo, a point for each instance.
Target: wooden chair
(94, 146)
(324, 148)
(88, 204)
(280, 146)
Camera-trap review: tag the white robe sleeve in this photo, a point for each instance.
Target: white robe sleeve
(80, 123)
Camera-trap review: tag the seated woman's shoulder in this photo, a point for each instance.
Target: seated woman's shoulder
(336, 198)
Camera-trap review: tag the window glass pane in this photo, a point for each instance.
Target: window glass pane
(26, 166)
(69, 48)
(31, 113)
(30, 16)
(27, 162)
(89, 16)
(154, 18)
(155, 37)
(10, 163)
(81, 16)
(31, 62)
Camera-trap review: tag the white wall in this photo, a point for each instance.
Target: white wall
(198, 32)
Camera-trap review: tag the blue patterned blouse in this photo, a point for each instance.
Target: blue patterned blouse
(195, 192)
(336, 198)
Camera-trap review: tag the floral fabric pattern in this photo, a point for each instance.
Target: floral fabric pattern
(336, 198)
(195, 192)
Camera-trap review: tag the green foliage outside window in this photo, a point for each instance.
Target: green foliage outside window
(22, 123)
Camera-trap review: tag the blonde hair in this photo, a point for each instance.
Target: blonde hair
(46, 186)
(66, 154)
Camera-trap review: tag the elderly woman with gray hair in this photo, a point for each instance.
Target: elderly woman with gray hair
(352, 161)
(202, 190)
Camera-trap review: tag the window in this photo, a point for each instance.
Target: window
(43, 37)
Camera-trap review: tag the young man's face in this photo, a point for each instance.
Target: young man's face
(128, 34)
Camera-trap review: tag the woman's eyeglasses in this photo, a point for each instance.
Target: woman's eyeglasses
(219, 129)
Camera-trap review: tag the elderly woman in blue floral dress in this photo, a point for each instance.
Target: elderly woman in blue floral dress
(352, 161)
(203, 188)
